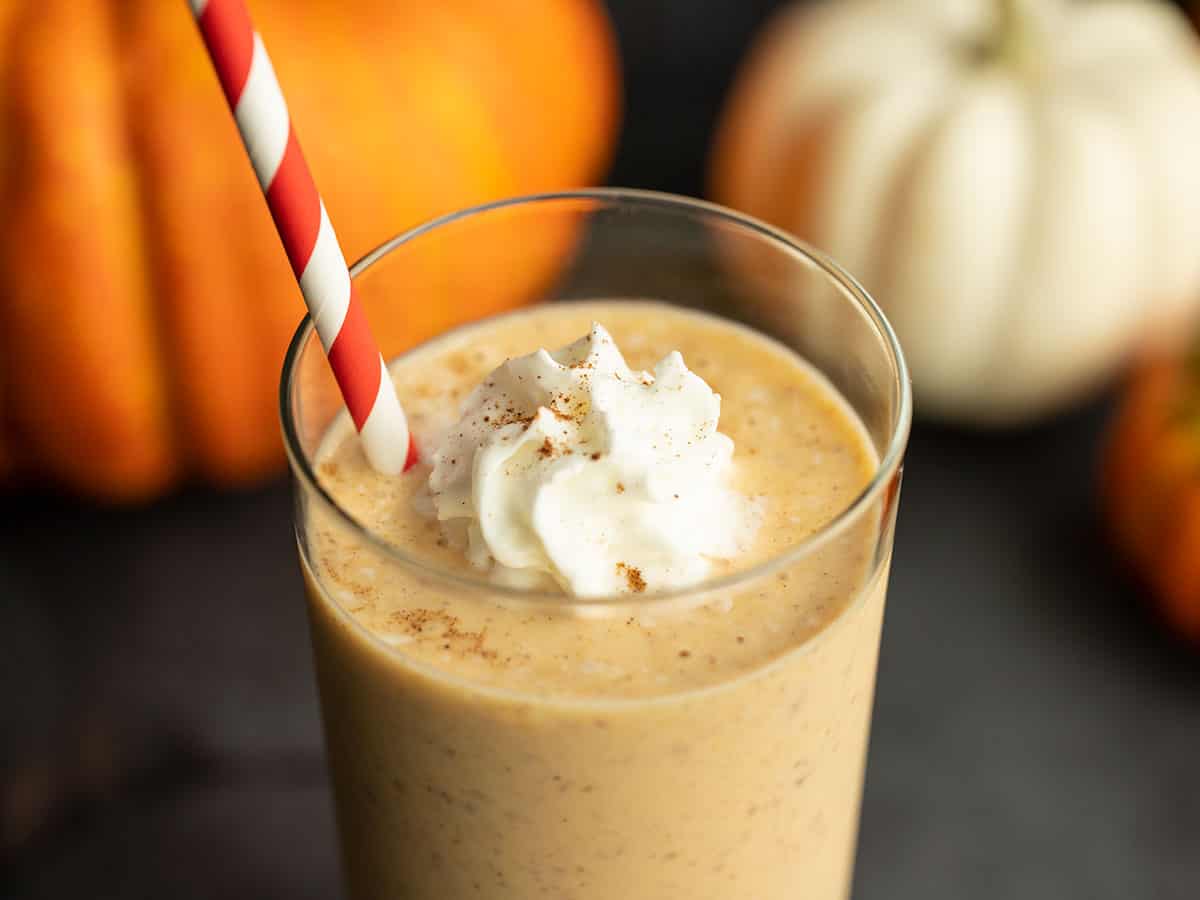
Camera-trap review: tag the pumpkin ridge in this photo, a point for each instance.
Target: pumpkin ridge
(10, 450)
(208, 228)
(90, 405)
(993, 365)
(896, 206)
(152, 236)
(801, 174)
(899, 185)
(989, 365)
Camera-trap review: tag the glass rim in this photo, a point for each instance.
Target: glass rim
(889, 462)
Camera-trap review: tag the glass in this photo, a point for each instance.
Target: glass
(450, 786)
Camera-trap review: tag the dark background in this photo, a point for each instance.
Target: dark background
(1036, 733)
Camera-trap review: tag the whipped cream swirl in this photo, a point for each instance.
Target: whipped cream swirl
(569, 465)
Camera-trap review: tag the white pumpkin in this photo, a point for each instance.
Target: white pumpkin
(1017, 182)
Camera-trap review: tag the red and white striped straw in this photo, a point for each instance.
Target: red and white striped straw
(252, 90)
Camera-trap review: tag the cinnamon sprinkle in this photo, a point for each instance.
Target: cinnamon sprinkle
(467, 643)
(633, 577)
(511, 417)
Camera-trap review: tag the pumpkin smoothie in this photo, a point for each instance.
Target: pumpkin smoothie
(578, 651)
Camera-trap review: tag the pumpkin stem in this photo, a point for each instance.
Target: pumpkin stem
(1025, 27)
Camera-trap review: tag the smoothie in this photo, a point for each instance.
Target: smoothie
(709, 742)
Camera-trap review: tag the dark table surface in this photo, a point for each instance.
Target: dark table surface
(1036, 734)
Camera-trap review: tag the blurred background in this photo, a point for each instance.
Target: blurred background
(1037, 724)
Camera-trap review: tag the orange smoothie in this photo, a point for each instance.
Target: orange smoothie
(706, 744)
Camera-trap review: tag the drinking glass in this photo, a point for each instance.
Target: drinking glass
(446, 787)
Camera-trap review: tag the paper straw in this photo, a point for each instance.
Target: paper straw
(253, 93)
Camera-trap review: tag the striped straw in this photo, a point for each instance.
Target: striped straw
(253, 93)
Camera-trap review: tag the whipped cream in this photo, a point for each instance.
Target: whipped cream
(570, 466)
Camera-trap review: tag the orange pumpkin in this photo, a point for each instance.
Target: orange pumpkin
(145, 301)
(1150, 484)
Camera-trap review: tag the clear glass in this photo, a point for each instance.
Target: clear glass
(450, 785)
